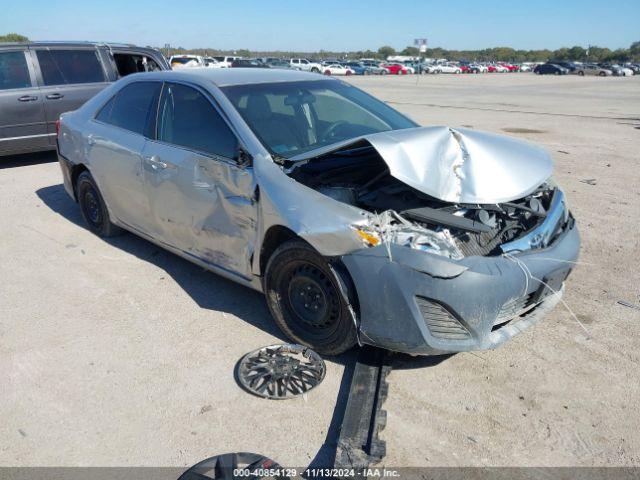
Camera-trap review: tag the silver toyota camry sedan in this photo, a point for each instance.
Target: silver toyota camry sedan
(359, 226)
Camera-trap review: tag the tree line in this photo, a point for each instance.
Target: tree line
(577, 53)
(499, 54)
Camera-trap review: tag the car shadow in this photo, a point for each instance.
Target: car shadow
(208, 290)
(27, 159)
(401, 361)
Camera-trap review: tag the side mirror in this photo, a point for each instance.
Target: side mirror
(244, 158)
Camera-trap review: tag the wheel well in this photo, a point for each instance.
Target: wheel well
(273, 238)
(277, 235)
(75, 173)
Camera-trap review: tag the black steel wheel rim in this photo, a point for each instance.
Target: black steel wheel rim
(311, 297)
(282, 371)
(92, 207)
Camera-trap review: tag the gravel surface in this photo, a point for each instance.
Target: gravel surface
(117, 353)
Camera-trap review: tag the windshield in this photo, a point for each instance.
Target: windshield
(295, 117)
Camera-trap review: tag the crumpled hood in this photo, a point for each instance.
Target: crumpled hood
(460, 165)
(463, 165)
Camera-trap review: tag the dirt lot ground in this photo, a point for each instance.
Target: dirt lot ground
(118, 353)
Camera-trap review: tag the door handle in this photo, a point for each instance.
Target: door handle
(54, 96)
(27, 98)
(155, 162)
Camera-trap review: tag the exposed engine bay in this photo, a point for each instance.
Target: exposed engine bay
(357, 175)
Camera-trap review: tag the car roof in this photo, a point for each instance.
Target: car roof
(234, 76)
(77, 44)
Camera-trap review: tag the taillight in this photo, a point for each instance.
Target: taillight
(58, 127)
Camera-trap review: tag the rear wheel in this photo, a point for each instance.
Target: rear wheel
(327, 72)
(581, 73)
(94, 211)
(305, 299)
(602, 74)
(315, 70)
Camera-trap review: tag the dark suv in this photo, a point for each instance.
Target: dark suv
(41, 80)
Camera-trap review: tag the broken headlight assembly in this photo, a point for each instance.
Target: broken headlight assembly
(460, 230)
(391, 228)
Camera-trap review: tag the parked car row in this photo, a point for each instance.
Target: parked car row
(582, 69)
(373, 67)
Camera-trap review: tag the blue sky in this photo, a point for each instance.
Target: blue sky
(329, 24)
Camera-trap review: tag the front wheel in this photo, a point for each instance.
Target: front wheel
(581, 74)
(602, 74)
(315, 70)
(305, 299)
(94, 210)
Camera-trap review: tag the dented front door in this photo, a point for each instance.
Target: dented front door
(201, 205)
(202, 201)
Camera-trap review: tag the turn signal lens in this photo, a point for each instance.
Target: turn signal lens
(371, 238)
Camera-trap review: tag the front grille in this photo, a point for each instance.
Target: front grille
(512, 309)
(480, 244)
(440, 322)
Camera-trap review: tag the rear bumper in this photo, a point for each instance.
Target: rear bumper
(419, 303)
(67, 168)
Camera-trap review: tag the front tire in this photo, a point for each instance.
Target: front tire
(94, 210)
(305, 299)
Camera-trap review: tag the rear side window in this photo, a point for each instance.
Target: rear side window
(14, 72)
(62, 67)
(133, 108)
(188, 119)
(128, 63)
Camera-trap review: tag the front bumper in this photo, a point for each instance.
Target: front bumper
(420, 303)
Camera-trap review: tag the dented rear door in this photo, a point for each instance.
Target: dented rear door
(202, 201)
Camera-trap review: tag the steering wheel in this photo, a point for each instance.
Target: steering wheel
(332, 130)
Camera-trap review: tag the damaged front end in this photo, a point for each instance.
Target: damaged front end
(443, 257)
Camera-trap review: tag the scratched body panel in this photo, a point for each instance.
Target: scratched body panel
(203, 206)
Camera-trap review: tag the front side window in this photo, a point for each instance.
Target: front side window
(295, 117)
(188, 119)
(133, 107)
(62, 67)
(14, 72)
